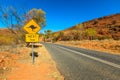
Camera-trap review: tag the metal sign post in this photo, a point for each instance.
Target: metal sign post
(32, 53)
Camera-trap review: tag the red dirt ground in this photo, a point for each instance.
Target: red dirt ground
(20, 67)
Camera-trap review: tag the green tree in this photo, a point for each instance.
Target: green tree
(10, 17)
(38, 15)
(15, 21)
(48, 34)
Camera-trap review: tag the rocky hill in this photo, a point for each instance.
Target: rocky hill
(107, 27)
(8, 36)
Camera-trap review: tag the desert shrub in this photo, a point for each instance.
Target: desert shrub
(95, 22)
(103, 37)
(6, 40)
(58, 36)
(114, 22)
(116, 37)
(79, 26)
(68, 37)
(90, 33)
(61, 34)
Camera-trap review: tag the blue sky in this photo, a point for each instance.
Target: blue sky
(62, 14)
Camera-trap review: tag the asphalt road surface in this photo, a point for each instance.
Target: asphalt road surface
(81, 64)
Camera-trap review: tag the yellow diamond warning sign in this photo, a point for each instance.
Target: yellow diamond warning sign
(32, 27)
(32, 37)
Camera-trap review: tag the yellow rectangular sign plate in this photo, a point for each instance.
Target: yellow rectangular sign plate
(32, 37)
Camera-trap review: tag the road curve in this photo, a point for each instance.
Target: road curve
(81, 64)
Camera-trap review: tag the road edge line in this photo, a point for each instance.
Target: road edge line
(94, 58)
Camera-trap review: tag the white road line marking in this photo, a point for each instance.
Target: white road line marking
(94, 58)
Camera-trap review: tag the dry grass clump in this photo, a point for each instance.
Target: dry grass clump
(11, 48)
(6, 61)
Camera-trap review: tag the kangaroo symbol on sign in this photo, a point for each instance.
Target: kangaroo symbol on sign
(32, 27)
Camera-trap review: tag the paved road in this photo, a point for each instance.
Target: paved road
(81, 64)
